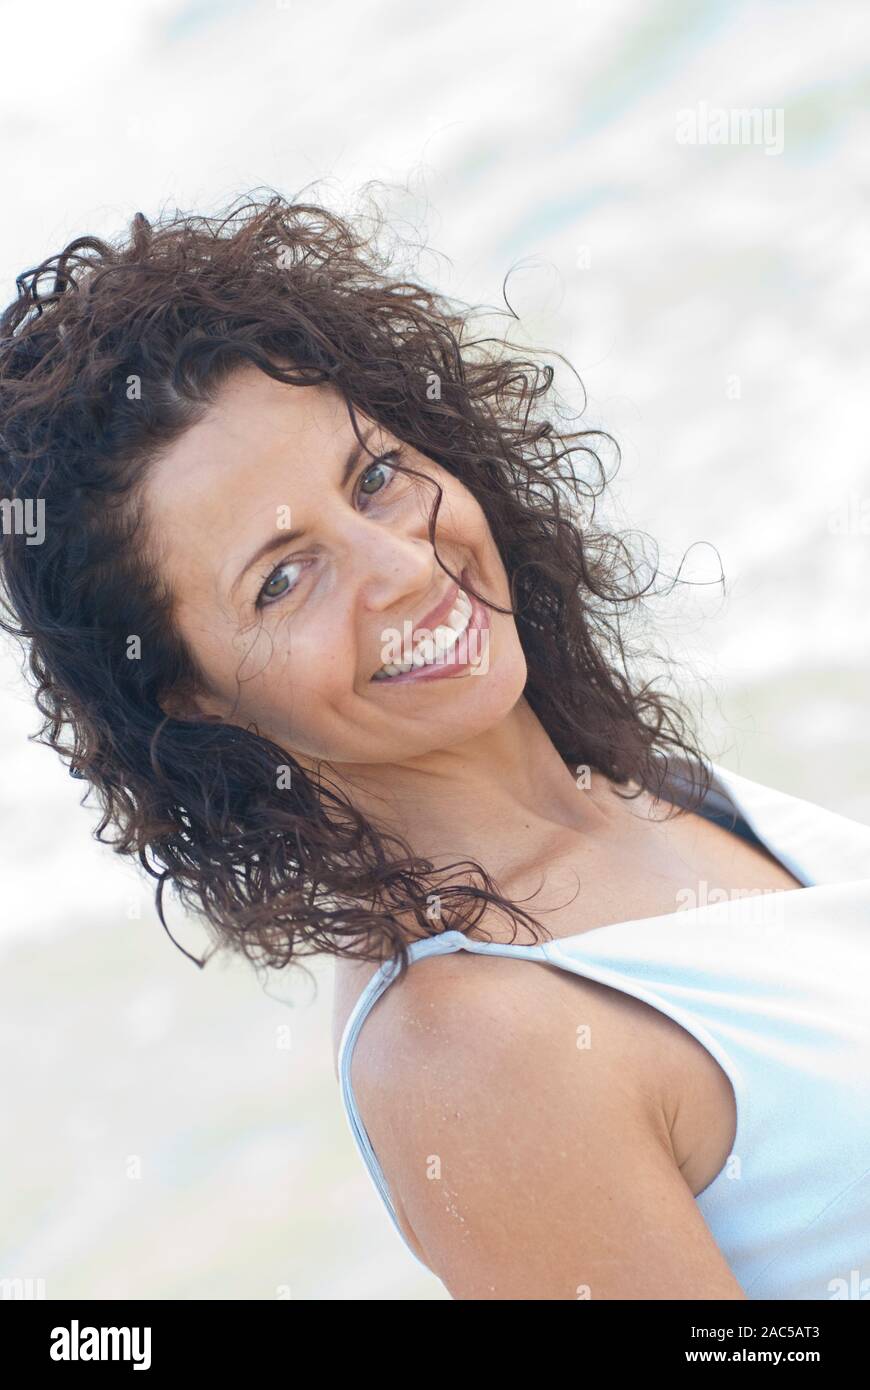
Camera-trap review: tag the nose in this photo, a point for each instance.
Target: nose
(392, 570)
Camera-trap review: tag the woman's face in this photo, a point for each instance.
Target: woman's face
(294, 583)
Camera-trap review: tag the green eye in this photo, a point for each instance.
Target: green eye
(268, 591)
(381, 465)
(268, 594)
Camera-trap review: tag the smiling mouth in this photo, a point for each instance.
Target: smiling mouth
(442, 650)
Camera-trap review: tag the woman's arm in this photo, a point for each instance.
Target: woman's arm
(528, 1169)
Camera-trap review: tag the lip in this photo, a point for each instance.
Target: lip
(441, 610)
(450, 666)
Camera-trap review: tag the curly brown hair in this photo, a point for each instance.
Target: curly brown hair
(280, 874)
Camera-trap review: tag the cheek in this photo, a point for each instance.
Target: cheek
(472, 528)
(460, 511)
(301, 674)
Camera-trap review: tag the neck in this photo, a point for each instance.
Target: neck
(501, 798)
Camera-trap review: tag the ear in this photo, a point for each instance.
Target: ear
(188, 708)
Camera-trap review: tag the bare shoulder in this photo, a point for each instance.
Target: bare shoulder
(525, 1161)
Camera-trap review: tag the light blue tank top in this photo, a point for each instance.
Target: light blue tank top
(776, 986)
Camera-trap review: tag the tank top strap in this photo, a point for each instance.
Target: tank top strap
(439, 945)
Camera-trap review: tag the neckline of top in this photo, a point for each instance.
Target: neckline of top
(445, 942)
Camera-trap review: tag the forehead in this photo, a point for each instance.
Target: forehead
(256, 426)
(262, 444)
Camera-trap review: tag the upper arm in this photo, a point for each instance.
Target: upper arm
(529, 1168)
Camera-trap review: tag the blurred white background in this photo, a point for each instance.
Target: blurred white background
(713, 299)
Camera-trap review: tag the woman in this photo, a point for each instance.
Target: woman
(340, 649)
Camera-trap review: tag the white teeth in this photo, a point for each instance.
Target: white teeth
(445, 637)
(442, 640)
(424, 652)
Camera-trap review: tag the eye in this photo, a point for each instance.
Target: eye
(382, 464)
(269, 594)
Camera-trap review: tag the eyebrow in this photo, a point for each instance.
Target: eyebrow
(282, 538)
